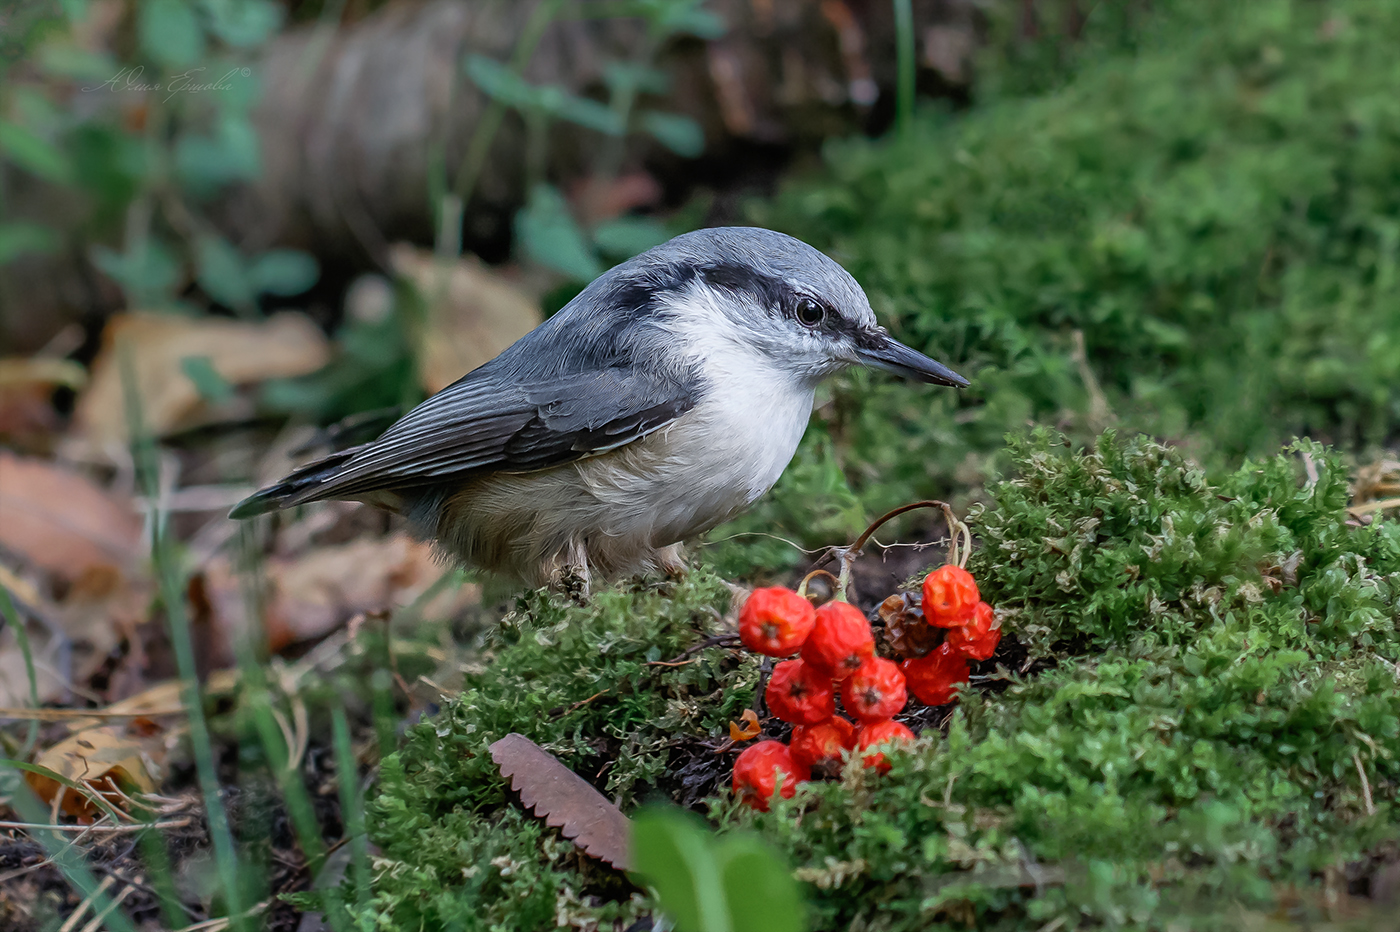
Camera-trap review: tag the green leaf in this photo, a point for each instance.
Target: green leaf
(694, 21)
(21, 237)
(680, 134)
(621, 75)
(284, 272)
(221, 273)
(75, 10)
(206, 163)
(148, 276)
(583, 112)
(34, 154)
(548, 234)
(625, 237)
(243, 23)
(67, 61)
(675, 858)
(212, 387)
(500, 83)
(170, 33)
(759, 887)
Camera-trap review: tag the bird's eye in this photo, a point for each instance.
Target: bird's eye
(809, 312)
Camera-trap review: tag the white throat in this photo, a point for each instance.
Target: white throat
(753, 414)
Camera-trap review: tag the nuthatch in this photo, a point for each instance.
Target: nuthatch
(659, 403)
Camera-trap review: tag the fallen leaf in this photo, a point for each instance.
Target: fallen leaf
(748, 730)
(62, 522)
(563, 799)
(28, 419)
(471, 313)
(308, 596)
(237, 352)
(108, 758)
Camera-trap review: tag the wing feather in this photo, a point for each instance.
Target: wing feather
(480, 424)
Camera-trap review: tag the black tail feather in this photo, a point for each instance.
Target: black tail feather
(295, 489)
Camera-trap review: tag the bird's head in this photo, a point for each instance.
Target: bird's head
(768, 294)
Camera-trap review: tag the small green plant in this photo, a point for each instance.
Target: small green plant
(736, 883)
(545, 229)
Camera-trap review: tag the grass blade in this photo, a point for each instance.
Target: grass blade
(16, 623)
(172, 595)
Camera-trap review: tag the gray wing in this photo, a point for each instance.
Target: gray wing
(479, 424)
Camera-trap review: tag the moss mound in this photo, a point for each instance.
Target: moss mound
(1213, 671)
(1214, 212)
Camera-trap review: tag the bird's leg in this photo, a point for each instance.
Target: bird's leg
(573, 576)
(671, 559)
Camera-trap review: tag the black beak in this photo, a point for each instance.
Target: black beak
(882, 351)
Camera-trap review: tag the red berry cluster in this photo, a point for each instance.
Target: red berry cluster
(837, 652)
(951, 601)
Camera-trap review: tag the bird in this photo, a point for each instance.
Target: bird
(662, 401)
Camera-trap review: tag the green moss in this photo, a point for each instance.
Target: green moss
(580, 682)
(1187, 746)
(1216, 209)
(1194, 750)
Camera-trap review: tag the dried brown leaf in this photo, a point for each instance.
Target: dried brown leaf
(311, 595)
(746, 731)
(62, 522)
(108, 757)
(282, 346)
(471, 313)
(563, 799)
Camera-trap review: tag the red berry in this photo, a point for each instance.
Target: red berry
(979, 638)
(800, 694)
(875, 691)
(933, 677)
(840, 642)
(758, 770)
(950, 596)
(776, 621)
(886, 732)
(823, 742)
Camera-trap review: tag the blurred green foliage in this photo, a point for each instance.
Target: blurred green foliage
(1213, 210)
(145, 136)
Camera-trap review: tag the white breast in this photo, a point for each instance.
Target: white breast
(722, 454)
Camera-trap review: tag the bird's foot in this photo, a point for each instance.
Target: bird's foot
(671, 560)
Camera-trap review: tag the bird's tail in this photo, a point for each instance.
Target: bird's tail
(294, 489)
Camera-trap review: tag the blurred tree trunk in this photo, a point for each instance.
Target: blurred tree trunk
(358, 127)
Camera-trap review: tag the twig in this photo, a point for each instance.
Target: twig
(581, 703)
(847, 555)
(1380, 504)
(76, 916)
(1365, 784)
(97, 920)
(719, 640)
(97, 829)
(215, 925)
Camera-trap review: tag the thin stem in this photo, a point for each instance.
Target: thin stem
(172, 596)
(16, 623)
(469, 172)
(904, 91)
